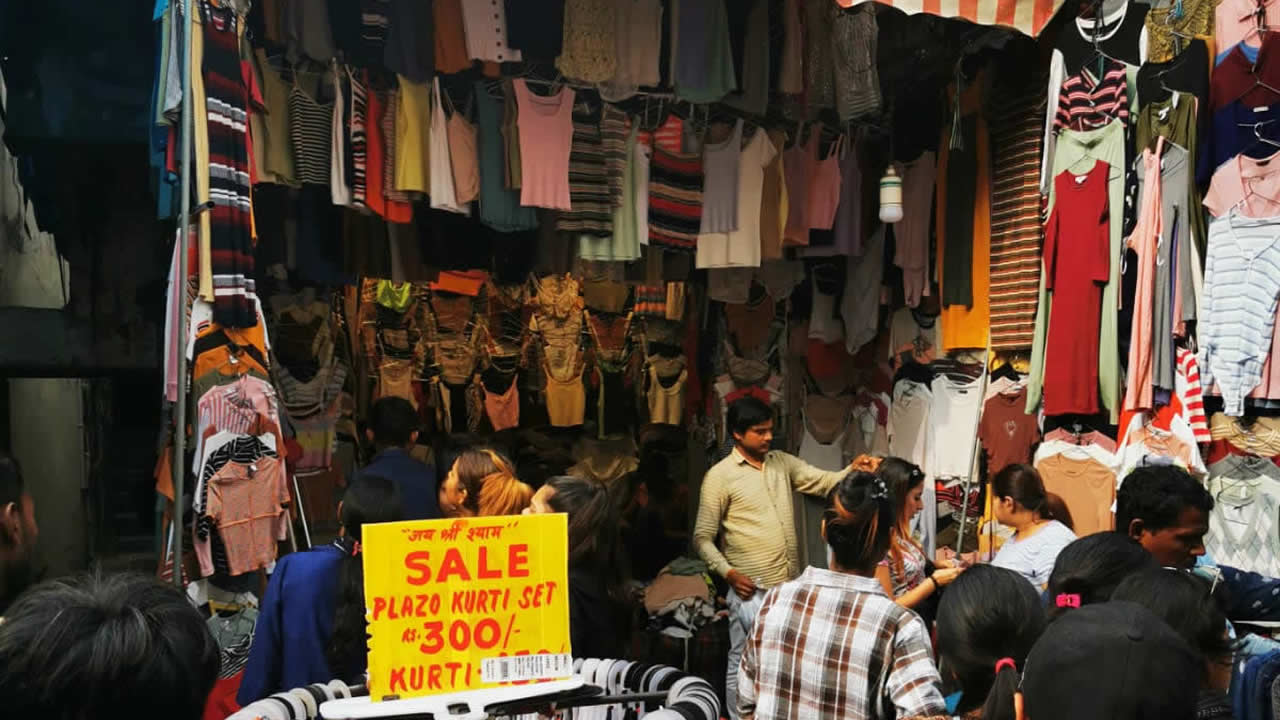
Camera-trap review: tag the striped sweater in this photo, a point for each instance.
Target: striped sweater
(1190, 393)
(1238, 307)
(675, 199)
(1085, 103)
(227, 94)
(1016, 230)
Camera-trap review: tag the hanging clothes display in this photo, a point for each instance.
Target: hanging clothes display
(1082, 151)
(911, 249)
(1016, 231)
(231, 216)
(499, 206)
(443, 192)
(741, 246)
(964, 226)
(1077, 264)
(546, 135)
(1239, 306)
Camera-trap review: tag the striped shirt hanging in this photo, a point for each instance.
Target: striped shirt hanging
(227, 95)
(1087, 103)
(310, 126)
(1016, 230)
(675, 199)
(591, 208)
(1028, 17)
(359, 142)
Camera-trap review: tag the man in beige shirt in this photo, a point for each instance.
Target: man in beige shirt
(746, 501)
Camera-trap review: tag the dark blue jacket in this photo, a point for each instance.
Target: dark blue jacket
(416, 482)
(295, 623)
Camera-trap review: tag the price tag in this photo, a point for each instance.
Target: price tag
(456, 605)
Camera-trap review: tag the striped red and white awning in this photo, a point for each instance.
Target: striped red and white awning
(1026, 16)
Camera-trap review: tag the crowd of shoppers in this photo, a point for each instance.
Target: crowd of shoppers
(1119, 625)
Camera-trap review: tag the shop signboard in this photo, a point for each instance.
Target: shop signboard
(466, 604)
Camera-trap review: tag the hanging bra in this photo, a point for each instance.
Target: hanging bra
(557, 298)
(395, 379)
(827, 417)
(395, 340)
(610, 335)
(503, 409)
(666, 404)
(566, 398)
(666, 367)
(453, 313)
(457, 360)
(318, 393)
(745, 372)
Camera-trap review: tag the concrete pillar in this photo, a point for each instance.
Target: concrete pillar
(47, 437)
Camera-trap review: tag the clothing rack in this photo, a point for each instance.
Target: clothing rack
(638, 687)
(973, 449)
(562, 82)
(186, 22)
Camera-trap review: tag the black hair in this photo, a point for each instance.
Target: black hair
(1187, 603)
(595, 544)
(393, 421)
(747, 412)
(369, 499)
(858, 521)
(12, 488)
(988, 614)
(1157, 495)
(1023, 484)
(94, 645)
(1089, 570)
(593, 522)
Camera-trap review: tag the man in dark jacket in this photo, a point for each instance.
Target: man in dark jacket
(393, 431)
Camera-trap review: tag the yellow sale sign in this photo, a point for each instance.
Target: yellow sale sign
(464, 604)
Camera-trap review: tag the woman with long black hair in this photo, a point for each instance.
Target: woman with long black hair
(311, 626)
(599, 615)
(988, 620)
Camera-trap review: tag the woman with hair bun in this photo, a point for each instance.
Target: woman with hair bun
(1090, 569)
(1041, 523)
(832, 640)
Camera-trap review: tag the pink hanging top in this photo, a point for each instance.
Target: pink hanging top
(797, 165)
(546, 134)
(824, 189)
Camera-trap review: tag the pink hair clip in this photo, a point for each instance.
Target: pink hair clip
(1068, 601)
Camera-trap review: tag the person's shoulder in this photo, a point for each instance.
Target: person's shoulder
(727, 464)
(1061, 532)
(390, 462)
(306, 562)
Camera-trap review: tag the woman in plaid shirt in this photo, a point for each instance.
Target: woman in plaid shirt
(831, 643)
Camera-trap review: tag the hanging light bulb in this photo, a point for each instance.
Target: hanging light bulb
(890, 196)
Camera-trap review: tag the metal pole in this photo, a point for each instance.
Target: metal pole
(184, 247)
(973, 449)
